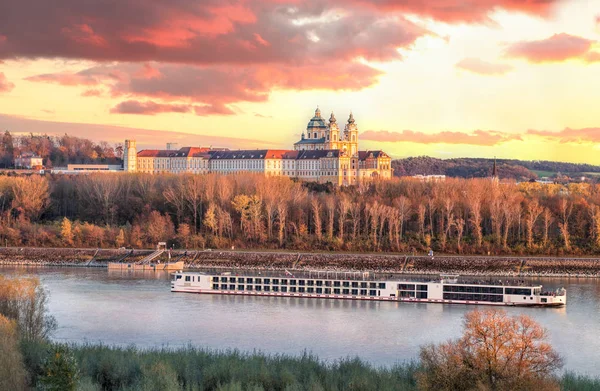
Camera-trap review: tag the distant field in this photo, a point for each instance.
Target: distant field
(590, 173)
(541, 173)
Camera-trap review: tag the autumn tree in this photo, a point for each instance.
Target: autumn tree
(496, 352)
(30, 195)
(66, 232)
(534, 210)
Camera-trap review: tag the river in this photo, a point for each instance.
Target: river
(121, 308)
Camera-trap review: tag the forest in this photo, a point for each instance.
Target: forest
(521, 170)
(57, 151)
(460, 216)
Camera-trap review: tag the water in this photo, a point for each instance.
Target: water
(94, 305)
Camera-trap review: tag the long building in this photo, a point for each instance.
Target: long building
(323, 154)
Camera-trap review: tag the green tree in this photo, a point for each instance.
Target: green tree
(60, 370)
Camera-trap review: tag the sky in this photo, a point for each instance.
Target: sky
(443, 78)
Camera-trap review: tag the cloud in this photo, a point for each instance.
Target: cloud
(202, 32)
(481, 67)
(259, 115)
(116, 134)
(559, 47)
(148, 108)
(212, 88)
(568, 135)
(92, 92)
(477, 137)
(455, 11)
(5, 85)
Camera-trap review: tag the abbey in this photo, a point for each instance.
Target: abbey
(324, 154)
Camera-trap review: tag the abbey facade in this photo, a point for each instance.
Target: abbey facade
(325, 153)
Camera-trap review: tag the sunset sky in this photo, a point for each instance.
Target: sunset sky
(445, 78)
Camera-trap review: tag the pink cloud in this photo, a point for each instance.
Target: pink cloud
(148, 108)
(481, 67)
(65, 79)
(5, 85)
(559, 47)
(92, 92)
(568, 135)
(478, 137)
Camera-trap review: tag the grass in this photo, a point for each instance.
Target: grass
(541, 173)
(123, 369)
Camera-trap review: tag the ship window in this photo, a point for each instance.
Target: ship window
(327, 283)
(293, 289)
(179, 278)
(275, 281)
(372, 292)
(422, 287)
(346, 283)
(382, 285)
(327, 291)
(336, 283)
(275, 289)
(319, 290)
(249, 288)
(284, 282)
(241, 280)
(292, 282)
(363, 292)
(258, 281)
(319, 283)
(258, 288)
(310, 282)
(240, 288)
(310, 290)
(215, 279)
(249, 280)
(223, 279)
(345, 291)
(266, 288)
(406, 287)
(354, 284)
(407, 294)
(363, 284)
(301, 289)
(215, 286)
(267, 281)
(232, 279)
(544, 300)
(187, 278)
(284, 289)
(421, 295)
(301, 282)
(231, 287)
(355, 291)
(372, 285)
(336, 291)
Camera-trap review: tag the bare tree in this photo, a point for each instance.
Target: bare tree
(565, 208)
(534, 210)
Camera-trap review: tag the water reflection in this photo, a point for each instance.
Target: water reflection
(136, 307)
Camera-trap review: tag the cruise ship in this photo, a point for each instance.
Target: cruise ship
(450, 289)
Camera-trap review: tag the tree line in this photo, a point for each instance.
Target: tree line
(521, 170)
(463, 216)
(57, 150)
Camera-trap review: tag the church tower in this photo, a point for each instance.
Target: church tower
(351, 135)
(130, 156)
(333, 134)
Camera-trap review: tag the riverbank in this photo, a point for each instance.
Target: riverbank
(384, 263)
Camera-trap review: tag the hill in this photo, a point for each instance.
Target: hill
(478, 168)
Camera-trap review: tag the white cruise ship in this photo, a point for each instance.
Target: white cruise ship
(365, 286)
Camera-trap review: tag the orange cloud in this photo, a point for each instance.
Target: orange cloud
(476, 65)
(559, 47)
(478, 137)
(152, 108)
(5, 85)
(568, 135)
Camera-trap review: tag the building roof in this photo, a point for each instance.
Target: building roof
(317, 122)
(318, 154)
(311, 141)
(364, 155)
(181, 152)
(250, 154)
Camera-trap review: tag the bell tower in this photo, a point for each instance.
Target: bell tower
(334, 133)
(130, 156)
(351, 135)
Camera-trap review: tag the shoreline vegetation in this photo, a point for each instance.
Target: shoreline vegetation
(253, 211)
(281, 260)
(496, 352)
